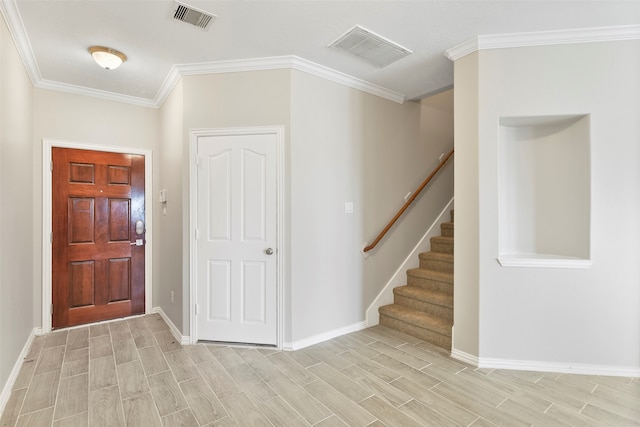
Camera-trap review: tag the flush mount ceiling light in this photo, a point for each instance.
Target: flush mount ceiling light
(370, 47)
(107, 58)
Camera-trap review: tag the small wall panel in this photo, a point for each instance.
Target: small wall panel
(119, 219)
(119, 279)
(81, 220)
(119, 175)
(81, 283)
(81, 173)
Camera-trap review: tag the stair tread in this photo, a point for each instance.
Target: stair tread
(444, 299)
(426, 273)
(417, 318)
(437, 255)
(444, 239)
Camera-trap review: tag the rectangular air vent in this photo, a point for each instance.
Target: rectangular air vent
(370, 47)
(193, 16)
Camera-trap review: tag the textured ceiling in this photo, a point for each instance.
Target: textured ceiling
(55, 35)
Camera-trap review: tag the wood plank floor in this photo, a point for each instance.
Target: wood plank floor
(133, 373)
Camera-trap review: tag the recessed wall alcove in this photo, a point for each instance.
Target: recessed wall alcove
(544, 191)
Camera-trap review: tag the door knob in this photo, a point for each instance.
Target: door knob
(268, 251)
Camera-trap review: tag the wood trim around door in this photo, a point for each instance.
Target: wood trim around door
(47, 145)
(194, 134)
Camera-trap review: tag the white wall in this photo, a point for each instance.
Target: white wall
(258, 98)
(86, 120)
(350, 146)
(341, 145)
(18, 274)
(171, 225)
(466, 289)
(585, 317)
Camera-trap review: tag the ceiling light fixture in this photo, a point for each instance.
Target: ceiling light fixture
(107, 58)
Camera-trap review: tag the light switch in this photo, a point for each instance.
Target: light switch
(348, 207)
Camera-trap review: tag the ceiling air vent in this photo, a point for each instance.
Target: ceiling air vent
(370, 47)
(192, 16)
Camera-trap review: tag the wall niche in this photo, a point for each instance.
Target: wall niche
(545, 191)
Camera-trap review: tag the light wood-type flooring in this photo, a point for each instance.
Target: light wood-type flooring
(134, 373)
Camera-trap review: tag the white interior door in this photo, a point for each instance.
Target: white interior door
(236, 237)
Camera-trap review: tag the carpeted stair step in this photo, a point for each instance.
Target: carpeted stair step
(439, 304)
(437, 261)
(442, 244)
(430, 280)
(416, 323)
(424, 307)
(446, 229)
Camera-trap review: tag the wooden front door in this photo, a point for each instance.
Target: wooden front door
(98, 236)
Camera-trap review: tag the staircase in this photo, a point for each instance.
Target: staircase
(424, 307)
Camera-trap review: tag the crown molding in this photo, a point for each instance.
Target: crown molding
(95, 93)
(19, 35)
(544, 38)
(273, 63)
(463, 49)
(327, 73)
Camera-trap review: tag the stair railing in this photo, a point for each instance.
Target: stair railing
(408, 202)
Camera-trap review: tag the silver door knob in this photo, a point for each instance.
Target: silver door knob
(268, 251)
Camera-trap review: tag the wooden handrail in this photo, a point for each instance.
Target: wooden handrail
(408, 203)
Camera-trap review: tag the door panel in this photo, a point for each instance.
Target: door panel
(97, 274)
(236, 224)
(253, 283)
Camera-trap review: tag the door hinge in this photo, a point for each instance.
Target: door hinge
(51, 308)
(197, 234)
(196, 309)
(51, 237)
(51, 165)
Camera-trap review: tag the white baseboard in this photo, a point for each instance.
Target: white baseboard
(6, 391)
(465, 357)
(565, 368)
(538, 366)
(399, 278)
(182, 339)
(306, 342)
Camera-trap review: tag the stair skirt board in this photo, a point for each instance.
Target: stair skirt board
(315, 339)
(399, 278)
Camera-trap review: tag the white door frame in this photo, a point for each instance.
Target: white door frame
(47, 146)
(194, 134)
